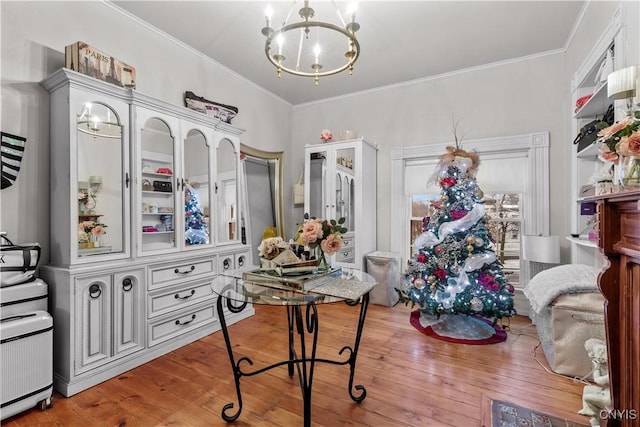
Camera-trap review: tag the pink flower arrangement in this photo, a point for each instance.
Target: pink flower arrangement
(621, 138)
(88, 228)
(326, 136)
(326, 234)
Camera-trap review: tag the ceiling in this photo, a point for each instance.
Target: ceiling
(400, 40)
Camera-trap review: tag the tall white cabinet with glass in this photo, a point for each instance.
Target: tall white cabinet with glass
(340, 182)
(143, 200)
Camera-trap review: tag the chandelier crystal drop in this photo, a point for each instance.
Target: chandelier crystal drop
(310, 43)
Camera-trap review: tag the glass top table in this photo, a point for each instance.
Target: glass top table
(264, 287)
(237, 288)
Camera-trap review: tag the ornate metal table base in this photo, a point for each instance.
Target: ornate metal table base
(298, 325)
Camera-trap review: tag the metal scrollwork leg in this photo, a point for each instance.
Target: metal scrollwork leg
(235, 367)
(364, 304)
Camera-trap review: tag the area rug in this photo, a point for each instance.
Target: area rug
(507, 414)
(458, 329)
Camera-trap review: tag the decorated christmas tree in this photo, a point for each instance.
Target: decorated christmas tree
(454, 276)
(195, 225)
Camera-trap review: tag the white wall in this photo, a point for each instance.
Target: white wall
(34, 35)
(508, 99)
(530, 95)
(504, 99)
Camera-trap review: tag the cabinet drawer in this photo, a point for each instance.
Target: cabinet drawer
(179, 296)
(346, 255)
(165, 275)
(178, 324)
(348, 241)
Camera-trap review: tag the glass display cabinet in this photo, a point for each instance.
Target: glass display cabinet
(341, 183)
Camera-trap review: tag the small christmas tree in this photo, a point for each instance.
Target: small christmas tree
(454, 271)
(195, 225)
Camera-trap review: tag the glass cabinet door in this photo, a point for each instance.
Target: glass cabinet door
(317, 201)
(102, 180)
(227, 192)
(197, 189)
(158, 203)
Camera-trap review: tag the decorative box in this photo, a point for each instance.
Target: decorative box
(88, 60)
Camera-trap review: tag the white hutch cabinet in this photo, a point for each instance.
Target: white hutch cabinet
(341, 182)
(138, 191)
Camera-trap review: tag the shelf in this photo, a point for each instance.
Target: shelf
(591, 151)
(155, 193)
(583, 242)
(596, 106)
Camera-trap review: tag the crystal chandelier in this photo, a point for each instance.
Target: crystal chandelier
(334, 37)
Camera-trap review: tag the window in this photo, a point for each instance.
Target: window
(516, 167)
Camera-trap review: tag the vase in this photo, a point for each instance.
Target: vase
(627, 172)
(95, 241)
(323, 264)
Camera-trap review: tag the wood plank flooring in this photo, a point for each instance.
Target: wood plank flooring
(411, 379)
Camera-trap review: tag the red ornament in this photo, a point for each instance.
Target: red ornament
(421, 258)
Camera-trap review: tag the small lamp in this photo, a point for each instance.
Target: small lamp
(542, 252)
(623, 84)
(95, 182)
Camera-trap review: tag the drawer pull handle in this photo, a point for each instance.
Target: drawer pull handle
(241, 261)
(346, 242)
(127, 284)
(177, 296)
(226, 264)
(177, 271)
(95, 291)
(193, 317)
(346, 253)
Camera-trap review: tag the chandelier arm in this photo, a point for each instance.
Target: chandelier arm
(300, 49)
(289, 14)
(344, 24)
(303, 24)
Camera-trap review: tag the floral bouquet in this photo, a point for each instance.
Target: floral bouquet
(90, 230)
(621, 138)
(326, 235)
(621, 146)
(326, 136)
(272, 247)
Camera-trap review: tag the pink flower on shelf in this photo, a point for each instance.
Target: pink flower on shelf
(98, 230)
(630, 145)
(326, 136)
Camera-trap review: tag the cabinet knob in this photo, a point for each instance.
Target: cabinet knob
(95, 291)
(241, 260)
(226, 264)
(127, 284)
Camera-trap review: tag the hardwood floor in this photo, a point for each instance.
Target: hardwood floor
(411, 379)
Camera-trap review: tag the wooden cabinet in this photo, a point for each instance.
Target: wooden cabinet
(340, 182)
(146, 172)
(619, 221)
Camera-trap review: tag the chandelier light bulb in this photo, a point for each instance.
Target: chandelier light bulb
(316, 52)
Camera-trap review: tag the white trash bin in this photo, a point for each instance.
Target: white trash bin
(385, 268)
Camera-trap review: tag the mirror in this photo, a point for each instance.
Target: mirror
(226, 192)
(101, 190)
(263, 177)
